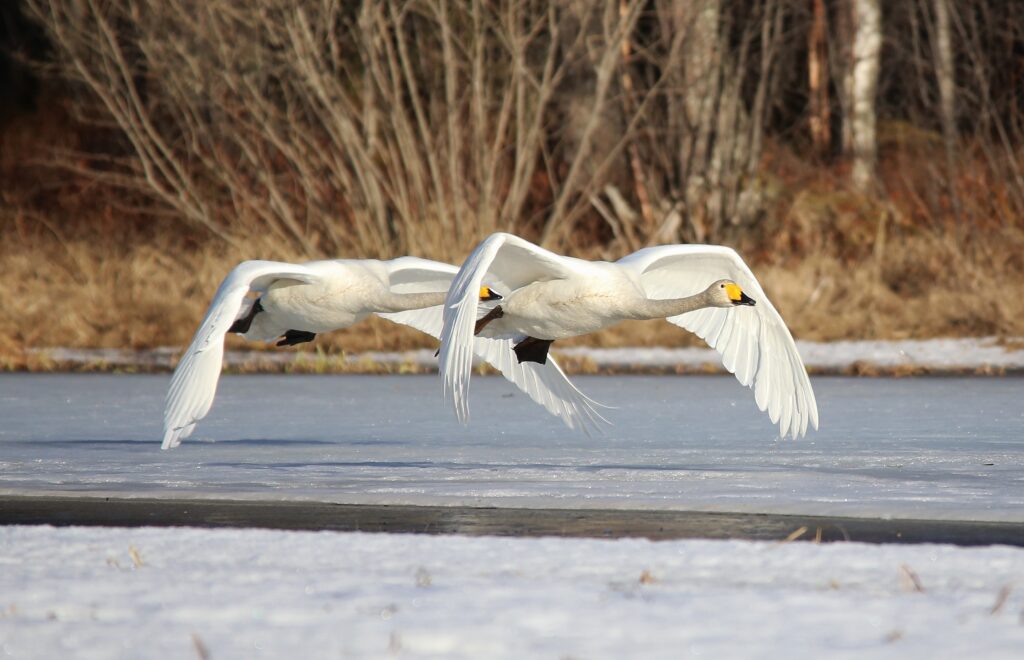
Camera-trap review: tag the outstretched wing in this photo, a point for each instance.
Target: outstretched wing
(507, 263)
(195, 379)
(546, 384)
(754, 342)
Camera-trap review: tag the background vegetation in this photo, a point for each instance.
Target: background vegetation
(865, 157)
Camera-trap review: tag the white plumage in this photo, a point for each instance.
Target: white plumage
(549, 297)
(321, 296)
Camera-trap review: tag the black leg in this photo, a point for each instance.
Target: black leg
(482, 322)
(532, 349)
(293, 337)
(495, 313)
(243, 324)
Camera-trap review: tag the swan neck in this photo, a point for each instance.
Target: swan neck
(661, 309)
(403, 302)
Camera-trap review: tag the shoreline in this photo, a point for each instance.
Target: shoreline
(63, 511)
(985, 356)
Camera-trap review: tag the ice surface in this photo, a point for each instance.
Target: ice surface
(947, 448)
(167, 593)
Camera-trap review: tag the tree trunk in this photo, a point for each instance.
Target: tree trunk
(632, 150)
(701, 76)
(942, 45)
(817, 80)
(841, 55)
(867, 48)
(701, 82)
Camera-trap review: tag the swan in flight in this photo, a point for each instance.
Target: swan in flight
(706, 289)
(297, 301)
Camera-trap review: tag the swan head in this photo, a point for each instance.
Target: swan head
(488, 294)
(726, 293)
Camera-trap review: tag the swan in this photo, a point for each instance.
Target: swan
(297, 301)
(706, 289)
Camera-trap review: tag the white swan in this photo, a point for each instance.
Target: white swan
(297, 301)
(701, 288)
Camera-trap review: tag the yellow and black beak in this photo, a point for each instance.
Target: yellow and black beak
(737, 296)
(488, 294)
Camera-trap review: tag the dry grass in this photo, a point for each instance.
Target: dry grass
(93, 291)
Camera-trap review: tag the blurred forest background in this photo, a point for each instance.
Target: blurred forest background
(866, 157)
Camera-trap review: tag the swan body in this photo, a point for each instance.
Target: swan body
(298, 301)
(701, 288)
(342, 293)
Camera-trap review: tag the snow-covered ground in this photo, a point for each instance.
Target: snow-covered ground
(181, 593)
(949, 448)
(968, 354)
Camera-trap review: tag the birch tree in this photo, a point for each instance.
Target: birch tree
(942, 46)
(866, 51)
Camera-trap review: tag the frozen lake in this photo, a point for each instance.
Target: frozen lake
(944, 448)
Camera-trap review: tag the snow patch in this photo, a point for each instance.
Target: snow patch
(159, 593)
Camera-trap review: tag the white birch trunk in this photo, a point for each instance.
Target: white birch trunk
(867, 48)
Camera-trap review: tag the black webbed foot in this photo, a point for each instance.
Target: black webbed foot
(532, 349)
(243, 324)
(293, 337)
